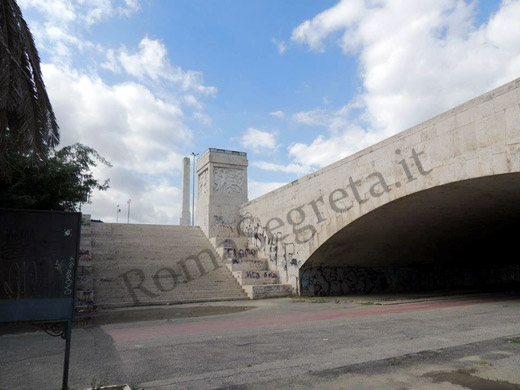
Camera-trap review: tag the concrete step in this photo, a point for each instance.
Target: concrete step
(123, 293)
(246, 264)
(250, 270)
(112, 305)
(268, 291)
(159, 271)
(153, 252)
(116, 300)
(256, 277)
(116, 293)
(135, 278)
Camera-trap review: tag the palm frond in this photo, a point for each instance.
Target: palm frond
(27, 122)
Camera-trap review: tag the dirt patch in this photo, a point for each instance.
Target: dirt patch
(465, 379)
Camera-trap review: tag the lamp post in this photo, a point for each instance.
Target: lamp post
(193, 192)
(128, 218)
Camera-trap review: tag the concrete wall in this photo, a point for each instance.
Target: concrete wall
(477, 139)
(222, 188)
(84, 278)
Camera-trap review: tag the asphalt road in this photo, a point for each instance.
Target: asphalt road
(452, 343)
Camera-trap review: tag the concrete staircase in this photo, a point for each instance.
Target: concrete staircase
(252, 272)
(157, 264)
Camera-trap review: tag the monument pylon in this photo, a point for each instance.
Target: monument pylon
(185, 212)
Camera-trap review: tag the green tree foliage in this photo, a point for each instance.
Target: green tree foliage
(27, 123)
(62, 182)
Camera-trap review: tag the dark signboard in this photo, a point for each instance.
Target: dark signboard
(38, 260)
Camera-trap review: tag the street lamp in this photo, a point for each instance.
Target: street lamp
(128, 218)
(193, 194)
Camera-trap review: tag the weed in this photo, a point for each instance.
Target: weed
(395, 362)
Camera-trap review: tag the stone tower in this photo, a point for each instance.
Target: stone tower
(222, 188)
(185, 213)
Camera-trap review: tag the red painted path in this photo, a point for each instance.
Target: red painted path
(215, 326)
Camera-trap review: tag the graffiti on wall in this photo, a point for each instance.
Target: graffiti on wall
(259, 274)
(339, 281)
(240, 254)
(248, 264)
(279, 252)
(224, 227)
(364, 280)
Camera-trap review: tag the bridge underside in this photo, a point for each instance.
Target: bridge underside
(463, 234)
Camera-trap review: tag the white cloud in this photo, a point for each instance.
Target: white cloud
(141, 135)
(124, 122)
(317, 117)
(333, 120)
(279, 114)
(256, 188)
(81, 11)
(203, 118)
(129, 7)
(431, 57)
(326, 150)
(258, 141)
(192, 101)
(111, 63)
(340, 17)
(280, 45)
(151, 61)
(59, 10)
(287, 168)
(154, 203)
(60, 28)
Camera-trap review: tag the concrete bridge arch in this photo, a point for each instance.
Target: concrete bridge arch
(427, 197)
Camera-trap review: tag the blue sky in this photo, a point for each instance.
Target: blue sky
(296, 84)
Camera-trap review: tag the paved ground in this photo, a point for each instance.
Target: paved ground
(470, 342)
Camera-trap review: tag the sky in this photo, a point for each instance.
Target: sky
(296, 84)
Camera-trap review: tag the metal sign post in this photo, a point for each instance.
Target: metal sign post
(193, 192)
(65, 383)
